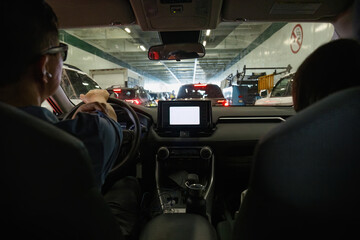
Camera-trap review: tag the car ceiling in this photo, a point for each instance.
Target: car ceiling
(147, 18)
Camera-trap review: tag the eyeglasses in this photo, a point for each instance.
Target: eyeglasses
(62, 49)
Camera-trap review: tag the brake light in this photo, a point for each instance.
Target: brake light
(135, 101)
(225, 103)
(117, 90)
(200, 85)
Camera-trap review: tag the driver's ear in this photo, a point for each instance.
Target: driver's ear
(41, 69)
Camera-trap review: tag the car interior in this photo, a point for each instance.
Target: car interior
(250, 172)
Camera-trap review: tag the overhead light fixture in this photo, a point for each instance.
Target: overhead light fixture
(127, 30)
(204, 43)
(208, 32)
(142, 48)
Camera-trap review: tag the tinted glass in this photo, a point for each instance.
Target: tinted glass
(75, 83)
(126, 94)
(281, 88)
(199, 91)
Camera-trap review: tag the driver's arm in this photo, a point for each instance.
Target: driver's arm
(94, 125)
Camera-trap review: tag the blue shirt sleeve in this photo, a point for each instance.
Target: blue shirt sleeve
(102, 137)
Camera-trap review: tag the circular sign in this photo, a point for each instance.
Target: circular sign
(296, 38)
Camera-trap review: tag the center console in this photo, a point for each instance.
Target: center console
(182, 173)
(185, 174)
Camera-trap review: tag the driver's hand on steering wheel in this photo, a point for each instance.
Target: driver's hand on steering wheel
(96, 100)
(95, 95)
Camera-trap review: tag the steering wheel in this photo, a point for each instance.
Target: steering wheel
(130, 137)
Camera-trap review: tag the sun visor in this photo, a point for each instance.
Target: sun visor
(92, 13)
(177, 15)
(273, 10)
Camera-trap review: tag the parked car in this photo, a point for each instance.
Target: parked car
(203, 91)
(75, 82)
(136, 95)
(280, 94)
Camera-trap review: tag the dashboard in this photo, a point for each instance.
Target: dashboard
(232, 132)
(227, 124)
(215, 144)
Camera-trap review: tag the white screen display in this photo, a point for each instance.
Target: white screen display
(184, 115)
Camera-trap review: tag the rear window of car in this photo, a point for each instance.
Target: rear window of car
(200, 91)
(126, 94)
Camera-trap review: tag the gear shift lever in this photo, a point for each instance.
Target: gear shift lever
(195, 202)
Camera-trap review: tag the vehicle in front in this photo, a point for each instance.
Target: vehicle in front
(136, 95)
(203, 91)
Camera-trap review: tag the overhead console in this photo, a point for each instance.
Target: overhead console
(177, 15)
(184, 118)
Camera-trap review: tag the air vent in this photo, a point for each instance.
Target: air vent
(251, 120)
(175, 1)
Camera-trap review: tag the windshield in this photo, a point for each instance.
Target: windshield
(252, 57)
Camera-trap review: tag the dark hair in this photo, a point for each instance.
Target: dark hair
(29, 27)
(330, 68)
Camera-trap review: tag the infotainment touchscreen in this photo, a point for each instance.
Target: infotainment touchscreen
(184, 115)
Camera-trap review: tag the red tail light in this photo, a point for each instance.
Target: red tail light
(225, 103)
(117, 90)
(135, 101)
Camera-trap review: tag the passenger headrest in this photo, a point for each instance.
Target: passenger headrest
(306, 173)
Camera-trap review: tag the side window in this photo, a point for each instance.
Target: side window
(81, 82)
(280, 88)
(67, 86)
(143, 94)
(74, 83)
(289, 88)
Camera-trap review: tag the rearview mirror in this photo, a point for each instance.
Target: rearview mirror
(176, 51)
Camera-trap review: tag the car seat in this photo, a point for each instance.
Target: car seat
(305, 181)
(47, 186)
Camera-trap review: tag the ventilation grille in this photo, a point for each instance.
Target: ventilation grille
(176, 1)
(251, 120)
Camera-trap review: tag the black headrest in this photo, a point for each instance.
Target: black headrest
(306, 175)
(47, 184)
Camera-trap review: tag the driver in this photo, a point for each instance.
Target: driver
(32, 73)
